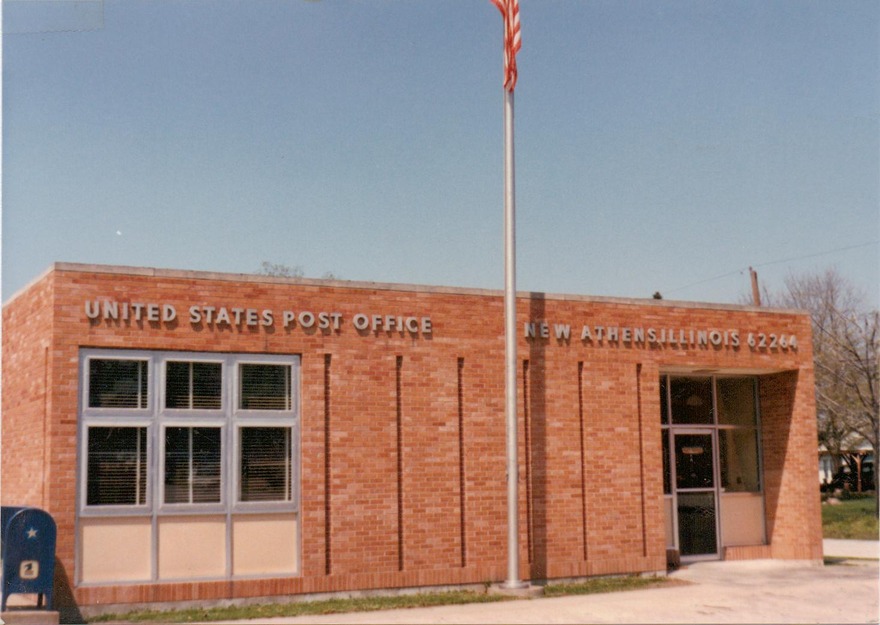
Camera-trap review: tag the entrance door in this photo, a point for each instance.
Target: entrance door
(695, 491)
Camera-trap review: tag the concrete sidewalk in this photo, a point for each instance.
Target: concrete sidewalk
(862, 549)
(760, 591)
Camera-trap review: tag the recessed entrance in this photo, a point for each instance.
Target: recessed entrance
(711, 464)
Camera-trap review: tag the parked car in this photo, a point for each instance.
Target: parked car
(846, 479)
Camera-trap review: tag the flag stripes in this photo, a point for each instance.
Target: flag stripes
(512, 42)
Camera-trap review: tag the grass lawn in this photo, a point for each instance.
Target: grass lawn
(852, 518)
(328, 606)
(605, 584)
(365, 604)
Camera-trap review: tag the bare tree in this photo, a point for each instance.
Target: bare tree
(280, 271)
(846, 337)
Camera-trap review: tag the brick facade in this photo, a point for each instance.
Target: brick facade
(402, 432)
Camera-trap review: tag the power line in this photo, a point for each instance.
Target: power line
(839, 249)
(775, 262)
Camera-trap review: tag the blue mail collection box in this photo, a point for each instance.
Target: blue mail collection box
(28, 551)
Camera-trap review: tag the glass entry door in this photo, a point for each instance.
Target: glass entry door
(695, 494)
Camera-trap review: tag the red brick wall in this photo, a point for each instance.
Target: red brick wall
(26, 427)
(403, 459)
(794, 526)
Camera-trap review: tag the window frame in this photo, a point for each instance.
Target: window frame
(213, 507)
(249, 417)
(754, 428)
(293, 385)
(238, 505)
(184, 357)
(667, 422)
(669, 428)
(114, 509)
(156, 418)
(118, 355)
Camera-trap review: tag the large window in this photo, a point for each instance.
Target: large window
(117, 383)
(691, 401)
(117, 466)
(192, 465)
(265, 460)
(738, 451)
(223, 434)
(736, 401)
(727, 405)
(264, 387)
(738, 434)
(193, 385)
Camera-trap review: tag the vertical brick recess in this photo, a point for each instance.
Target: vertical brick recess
(403, 432)
(328, 513)
(462, 480)
(529, 483)
(641, 457)
(583, 445)
(399, 412)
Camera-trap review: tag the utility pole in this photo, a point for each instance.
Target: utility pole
(756, 292)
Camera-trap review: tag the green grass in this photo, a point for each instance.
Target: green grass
(366, 604)
(305, 608)
(852, 518)
(604, 584)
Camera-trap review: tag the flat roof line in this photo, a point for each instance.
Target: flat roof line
(155, 272)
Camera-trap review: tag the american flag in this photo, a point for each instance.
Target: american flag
(512, 42)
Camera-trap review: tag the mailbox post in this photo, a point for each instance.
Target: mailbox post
(28, 550)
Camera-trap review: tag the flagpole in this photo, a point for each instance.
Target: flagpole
(513, 580)
(510, 12)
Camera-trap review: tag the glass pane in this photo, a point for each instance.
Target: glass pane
(206, 457)
(693, 461)
(192, 465)
(691, 400)
(177, 385)
(667, 473)
(207, 379)
(265, 387)
(193, 385)
(739, 460)
(266, 470)
(696, 524)
(736, 401)
(664, 401)
(177, 465)
(117, 463)
(117, 383)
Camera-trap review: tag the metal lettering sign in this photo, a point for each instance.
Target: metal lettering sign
(406, 324)
(242, 317)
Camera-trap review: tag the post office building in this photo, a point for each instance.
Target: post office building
(201, 437)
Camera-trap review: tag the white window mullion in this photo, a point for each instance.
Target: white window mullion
(190, 399)
(287, 474)
(138, 470)
(191, 469)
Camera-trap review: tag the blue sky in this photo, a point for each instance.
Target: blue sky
(660, 146)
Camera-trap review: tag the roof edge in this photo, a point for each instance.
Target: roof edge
(34, 281)
(386, 286)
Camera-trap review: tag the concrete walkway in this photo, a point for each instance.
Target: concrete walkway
(863, 549)
(760, 591)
